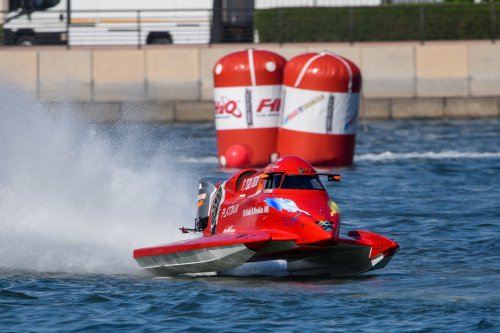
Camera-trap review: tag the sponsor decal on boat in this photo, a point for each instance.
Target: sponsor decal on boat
(250, 183)
(228, 230)
(334, 208)
(281, 204)
(255, 211)
(230, 210)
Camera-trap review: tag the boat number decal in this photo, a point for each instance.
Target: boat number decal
(250, 183)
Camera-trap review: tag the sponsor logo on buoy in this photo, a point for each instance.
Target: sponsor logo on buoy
(227, 106)
(303, 108)
(271, 105)
(247, 90)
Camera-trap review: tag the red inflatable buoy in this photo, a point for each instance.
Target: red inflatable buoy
(236, 156)
(247, 93)
(320, 111)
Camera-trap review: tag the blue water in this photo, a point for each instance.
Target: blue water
(432, 186)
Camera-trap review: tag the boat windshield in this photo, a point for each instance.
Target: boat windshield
(302, 182)
(274, 181)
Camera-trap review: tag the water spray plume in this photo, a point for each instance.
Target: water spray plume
(75, 199)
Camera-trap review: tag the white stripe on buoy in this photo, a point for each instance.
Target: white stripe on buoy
(304, 69)
(252, 66)
(347, 66)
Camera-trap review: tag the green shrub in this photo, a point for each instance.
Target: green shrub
(382, 23)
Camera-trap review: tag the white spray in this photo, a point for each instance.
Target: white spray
(72, 200)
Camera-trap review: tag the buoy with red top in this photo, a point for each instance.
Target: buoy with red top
(247, 94)
(320, 109)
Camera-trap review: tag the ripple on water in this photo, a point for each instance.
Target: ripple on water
(413, 181)
(16, 295)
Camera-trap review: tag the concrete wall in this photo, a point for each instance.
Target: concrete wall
(400, 80)
(4, 6)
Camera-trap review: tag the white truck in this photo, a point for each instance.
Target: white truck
(127, 22)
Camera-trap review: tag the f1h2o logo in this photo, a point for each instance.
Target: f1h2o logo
(272, 105)
(230, 107)
(227, 106)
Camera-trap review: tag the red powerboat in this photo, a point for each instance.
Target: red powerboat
(276, 221)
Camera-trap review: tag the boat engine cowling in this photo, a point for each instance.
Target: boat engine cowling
(206, 192)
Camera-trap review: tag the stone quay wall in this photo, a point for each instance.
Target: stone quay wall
(401, 80)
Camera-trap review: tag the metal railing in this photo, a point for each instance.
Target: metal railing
(416, 22)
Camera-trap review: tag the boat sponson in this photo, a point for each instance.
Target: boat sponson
(197, 261)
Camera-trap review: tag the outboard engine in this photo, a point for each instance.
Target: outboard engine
(206, 193)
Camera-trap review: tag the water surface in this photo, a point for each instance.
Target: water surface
(65, 259)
